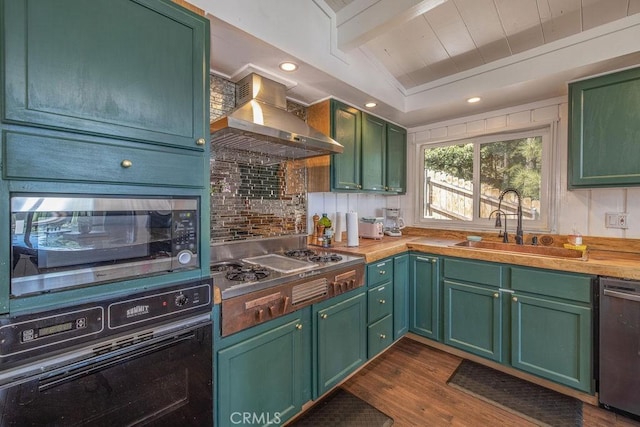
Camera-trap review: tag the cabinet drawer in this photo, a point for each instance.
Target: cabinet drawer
(378, 272)
(57, 156)
(379, 302)
(576, 287)
(471, 271)
(380, 336)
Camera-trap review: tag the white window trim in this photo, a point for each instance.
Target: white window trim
(546, 224)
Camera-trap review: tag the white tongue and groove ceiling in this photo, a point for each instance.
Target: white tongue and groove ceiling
(420, 59)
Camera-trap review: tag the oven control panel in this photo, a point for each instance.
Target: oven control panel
(42, 334)
(39, 332)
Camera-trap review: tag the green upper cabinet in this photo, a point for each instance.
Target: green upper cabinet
(396, 159)
(374, 157)
(346, 128)
(374, 142)
(130, 69)
(604, 131)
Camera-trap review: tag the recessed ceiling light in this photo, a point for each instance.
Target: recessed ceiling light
(370, 104)
(473, 100)
(288, 66)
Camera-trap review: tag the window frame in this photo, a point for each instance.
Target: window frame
(547, 220)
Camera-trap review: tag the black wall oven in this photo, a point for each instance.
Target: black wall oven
(142, 360)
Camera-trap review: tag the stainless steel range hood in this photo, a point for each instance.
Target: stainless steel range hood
(262, 124)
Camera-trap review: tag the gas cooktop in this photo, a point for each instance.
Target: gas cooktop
(253, 273)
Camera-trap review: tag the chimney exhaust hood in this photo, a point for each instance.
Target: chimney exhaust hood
(262, 124)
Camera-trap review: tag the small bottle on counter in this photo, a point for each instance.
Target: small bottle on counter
(325, 221)
(315, 225)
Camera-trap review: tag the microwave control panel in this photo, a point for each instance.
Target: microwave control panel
(185, 231)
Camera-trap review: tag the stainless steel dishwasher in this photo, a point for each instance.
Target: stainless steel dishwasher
(620, 344)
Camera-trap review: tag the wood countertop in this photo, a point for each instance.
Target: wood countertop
(599, 262)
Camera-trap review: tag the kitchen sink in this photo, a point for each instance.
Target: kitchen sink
(548, 251)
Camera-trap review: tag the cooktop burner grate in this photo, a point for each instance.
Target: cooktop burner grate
(224, 267)
(299, 253)
(246, 273)
(325, 258)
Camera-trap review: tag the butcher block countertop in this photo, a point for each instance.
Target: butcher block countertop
(605, 257)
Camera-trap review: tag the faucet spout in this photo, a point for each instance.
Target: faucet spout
(519, 232)
(499, 213)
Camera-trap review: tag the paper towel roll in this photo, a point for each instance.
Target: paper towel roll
(352, 229)
(339, 226)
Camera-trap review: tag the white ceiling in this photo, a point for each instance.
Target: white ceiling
(420, 59)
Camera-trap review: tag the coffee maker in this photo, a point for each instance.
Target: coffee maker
(393, 222)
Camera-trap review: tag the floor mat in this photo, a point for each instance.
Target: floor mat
(533, 402)
(342, 409)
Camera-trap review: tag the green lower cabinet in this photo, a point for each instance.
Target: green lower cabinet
(400, 295)
(424, 299)
(379, 335)
(473, 319)
(264, 378)
(340, 339)
(552, 339)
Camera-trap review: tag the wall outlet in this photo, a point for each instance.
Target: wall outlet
(615, 220)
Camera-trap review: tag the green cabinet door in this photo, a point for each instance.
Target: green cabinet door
(473, 319)
(552, 339)
(374, 144)
(346, 128)
(341, 339)
(604, 130)
(130, 69)
(263, 376)
(400, 295)
(424, 284)
(396, 167)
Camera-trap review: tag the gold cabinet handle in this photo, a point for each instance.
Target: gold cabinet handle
(381, 301)
(126, 163)
(323, 316)
(496, 295)
(433, 261)
(359, 186)
(382, 336)
(299, 326)
(200, 141)
(382, 272)
(515, 299)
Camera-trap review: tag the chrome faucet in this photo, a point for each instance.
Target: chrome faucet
(519, 233)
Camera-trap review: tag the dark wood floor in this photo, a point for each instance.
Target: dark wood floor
(408, 383)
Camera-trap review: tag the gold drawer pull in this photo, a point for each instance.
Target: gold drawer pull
(299, 326)
(126, 163)
(496, 295)
(200, 141)
(323, 316)
(381, 301)
(382, 336)
(515, 299)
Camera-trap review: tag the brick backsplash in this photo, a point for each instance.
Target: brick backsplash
(253, 195)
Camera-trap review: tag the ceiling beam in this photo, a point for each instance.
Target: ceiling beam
(363, 20)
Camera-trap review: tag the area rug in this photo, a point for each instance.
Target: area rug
(342, 409)
(533, 402)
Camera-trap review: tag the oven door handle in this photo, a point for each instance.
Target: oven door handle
(65, 374)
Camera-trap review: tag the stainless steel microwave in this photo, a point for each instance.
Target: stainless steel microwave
(63, 242)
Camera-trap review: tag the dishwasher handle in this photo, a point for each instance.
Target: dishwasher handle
(622, 295)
